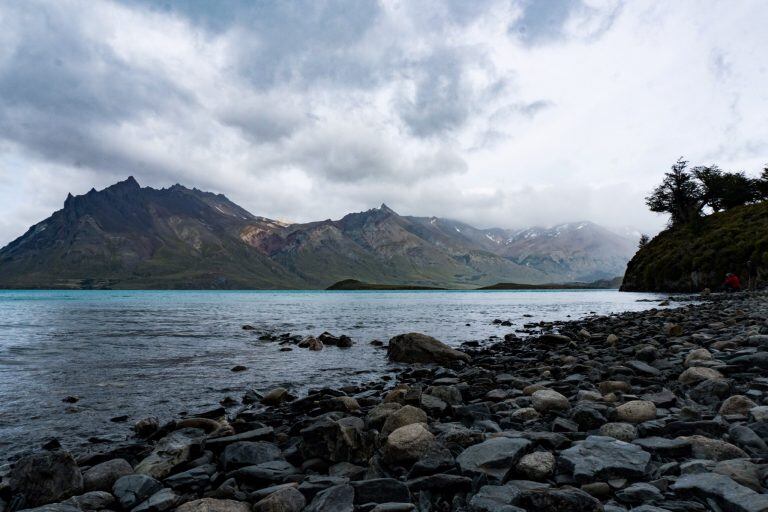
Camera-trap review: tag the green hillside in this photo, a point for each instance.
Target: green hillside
(695, 256)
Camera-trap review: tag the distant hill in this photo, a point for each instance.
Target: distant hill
(692, 257)
(354, 284)
(128, 236)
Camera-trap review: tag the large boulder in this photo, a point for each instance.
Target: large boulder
(248, 453)
(102, 477)
(420, 348)
(336, 440)
(600, 457)
(405, 415)
(408, 443)
(45, 477)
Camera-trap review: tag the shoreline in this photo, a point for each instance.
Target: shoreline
(514, 412)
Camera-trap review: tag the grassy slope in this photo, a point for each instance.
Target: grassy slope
(690, 258)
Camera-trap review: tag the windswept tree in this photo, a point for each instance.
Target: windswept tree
(761, 185)
(644, 239)
(725, 190)
(680, 195)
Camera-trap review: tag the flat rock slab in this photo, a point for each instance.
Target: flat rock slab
(600, 457)
(731, 496)
(494, 457)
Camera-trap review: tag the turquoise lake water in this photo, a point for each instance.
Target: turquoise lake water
(158, 353)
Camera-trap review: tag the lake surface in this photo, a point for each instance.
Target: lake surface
(158, 353)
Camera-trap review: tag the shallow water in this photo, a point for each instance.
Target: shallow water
(142, 353)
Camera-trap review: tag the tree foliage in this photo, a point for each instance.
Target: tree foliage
(685, 193)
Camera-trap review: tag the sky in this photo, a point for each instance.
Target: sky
(506, 113)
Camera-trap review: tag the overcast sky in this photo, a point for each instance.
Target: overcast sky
(499, 113)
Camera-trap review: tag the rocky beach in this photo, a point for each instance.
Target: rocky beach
(664, 409)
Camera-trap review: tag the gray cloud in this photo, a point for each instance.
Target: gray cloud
(498, 112)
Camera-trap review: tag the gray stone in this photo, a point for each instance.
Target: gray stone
(161, 501)
(214, 505)
(380, 490)
(496, 498)
(45, 477)
(420, 348)
(639, 493)
(731, 496)
(339, 498)
(102, 477)
(130, 490)
(248, 453)
(287, 499)
(493, 457)
(605, 457)
(169, 452)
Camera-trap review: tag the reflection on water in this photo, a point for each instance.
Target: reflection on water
(141, 353)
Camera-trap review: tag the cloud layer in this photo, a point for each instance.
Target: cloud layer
(505, 113)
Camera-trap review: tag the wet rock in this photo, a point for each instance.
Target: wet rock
(311, 343)
(545, 400)
(742, 471)
(436, 459)
(558, 500)
(731, 496)
(710, 391)
(737, 405)
(408, 443)
(636, 411)
(639, 493)
(554, 339)
(448, 394)
(93, 500)
(287, 499)
(193, 479)
(102, 477)
(496, 498)
(130, 490)
(171, 451)
(161, 501)
(621, 431)
(604, 457)
(336, 440)
(697, 355)
(380, 490)
(537, 465)
(420, 348)
(266, 473)
(403, 416)
(45, 477)
(275, 396)
(146, 427)
(247, 453)
(696, 374)
(214, 505)
(714, 449)
(339, 498)
(493, 457)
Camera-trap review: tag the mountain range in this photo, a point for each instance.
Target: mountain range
(128, 236)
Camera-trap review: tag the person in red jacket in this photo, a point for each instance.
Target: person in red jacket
(731, 283)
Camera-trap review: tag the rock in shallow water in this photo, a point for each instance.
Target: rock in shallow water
(420, 348)
(45, 477)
